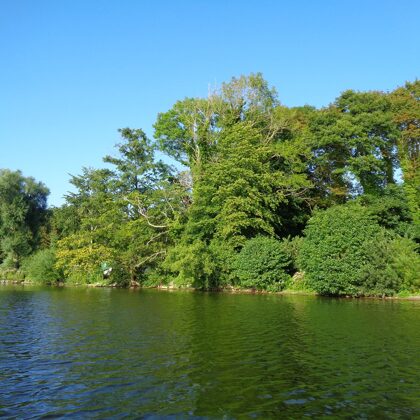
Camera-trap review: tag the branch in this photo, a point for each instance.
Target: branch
(149, 258)
(142, 212)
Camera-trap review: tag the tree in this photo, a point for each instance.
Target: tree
(81, 253)
(354, 145)
(188, 131)
(406, 111)
(23, 211)
(135, 168)
(122, 215)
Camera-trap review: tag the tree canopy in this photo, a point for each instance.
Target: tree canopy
(259, 191)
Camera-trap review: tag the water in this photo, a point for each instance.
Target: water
(120, 353)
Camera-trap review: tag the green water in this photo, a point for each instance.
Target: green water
(119, 353)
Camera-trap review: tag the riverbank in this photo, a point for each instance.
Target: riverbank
(228, 290)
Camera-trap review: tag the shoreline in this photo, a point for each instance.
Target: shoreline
(230, 290)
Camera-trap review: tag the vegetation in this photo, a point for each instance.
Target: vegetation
(346, 252)
(23, 214)
(260, 196)
(262, 264)
(40, 267)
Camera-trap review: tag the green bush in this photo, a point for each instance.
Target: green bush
(185, 269)
(262, 264)
(378, 276)
(346, 252)
(40, 267)
(11, 274)
(79, 278)
(405, 260)
(291, 246)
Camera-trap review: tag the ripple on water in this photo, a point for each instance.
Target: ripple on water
(114, 353)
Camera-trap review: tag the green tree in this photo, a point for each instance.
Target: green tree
(253, 183)
(406, 110)
(331, 254)
(80, 254)
(120, 216)
(23, 211)
(390, 208)
(354, 145)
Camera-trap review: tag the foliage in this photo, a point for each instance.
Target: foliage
(406, 112)
(405, 261)
(378, 276)
(334, 255)
(12, 274)
(119, 216)
(40, 267)
(23, 211)
(254, 176)
(292, 246)
(251, 182)
(192, 265)
(390, 208)
(299, 284)
(262, 264)
(354, 145)
(346, 252)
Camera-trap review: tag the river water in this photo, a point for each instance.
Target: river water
(124, 354)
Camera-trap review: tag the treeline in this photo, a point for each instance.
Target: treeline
(269, 198)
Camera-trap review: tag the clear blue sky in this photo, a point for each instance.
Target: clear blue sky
(74, 71)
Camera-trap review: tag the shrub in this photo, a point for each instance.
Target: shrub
(185, 268)
(378, 276)
(262, 264)
(405, 260)
(291, 246)
(11, 274)
(346, 252)
(40, 267)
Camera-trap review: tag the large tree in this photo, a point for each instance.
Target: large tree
(121, 216)
(406, 108)
(252, 181)
(23, 211)
(354, 145)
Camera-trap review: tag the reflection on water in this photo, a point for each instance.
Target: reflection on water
(101, 353)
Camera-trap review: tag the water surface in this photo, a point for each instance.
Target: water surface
(120, 353)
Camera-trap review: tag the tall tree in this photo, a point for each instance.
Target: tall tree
(123, 214)
(406, 108)
(23, 211)
(244, 187)
(354, 145)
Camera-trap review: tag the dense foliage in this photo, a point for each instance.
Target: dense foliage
(23, 213)
(40, 267)
(262, 264)
(260, 196)
(346, 252)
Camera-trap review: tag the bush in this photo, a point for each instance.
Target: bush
(378, 276)
(346, 252)
(262, 264)
(40, 267)
(192, 265)
(291, 246)
(11, 274)
(405, 260)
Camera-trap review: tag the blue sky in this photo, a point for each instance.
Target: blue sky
(74, 71)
